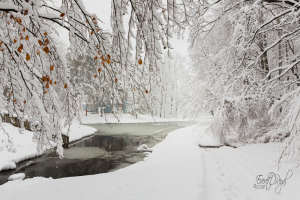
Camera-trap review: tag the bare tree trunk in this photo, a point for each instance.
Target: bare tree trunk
(280, 56)
(165, 100)
(161, 103)
(171, 111)
(86, 105)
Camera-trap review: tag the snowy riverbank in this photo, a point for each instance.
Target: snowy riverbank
(25, 148)
(124, 118)
(176, 169)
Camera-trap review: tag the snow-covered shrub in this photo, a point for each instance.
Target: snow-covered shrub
(240, 119)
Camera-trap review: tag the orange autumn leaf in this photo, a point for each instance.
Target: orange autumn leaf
(146, 91)
(43, 79)
(1, 43)
(50, 82)
(40, 42)
(108, 56)
(55, 82)
(24, 102)
(140, 61)
(92, 32)
(99, 69)
(46, 49)
(96, 58)
(15, 41)
(46, 42)
(38, 52)
(66, 85)
(47, 85)
(21, 36)
(26, 37)
(15, 101)
(45, 34)
(23, 29)
(47, 78)
(116, 80)
(95, 76)
(19, 49)
(52, 67)
(62, 14)
(27, 57)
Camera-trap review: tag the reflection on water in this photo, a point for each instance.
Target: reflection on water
(110, 149)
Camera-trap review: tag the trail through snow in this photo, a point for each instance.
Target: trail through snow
(230, 173)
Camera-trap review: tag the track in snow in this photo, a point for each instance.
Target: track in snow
(229, 177)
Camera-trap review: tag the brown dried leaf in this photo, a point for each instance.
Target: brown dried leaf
(46, 49)
(140, 61)
(46, 42)
(27, 57)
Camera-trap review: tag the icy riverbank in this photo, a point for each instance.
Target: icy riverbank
(23, 146)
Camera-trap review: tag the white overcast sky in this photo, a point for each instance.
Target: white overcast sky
(102, 9)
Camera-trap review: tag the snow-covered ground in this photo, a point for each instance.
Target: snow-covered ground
(25, 148)
(124, 118)
(176, 169)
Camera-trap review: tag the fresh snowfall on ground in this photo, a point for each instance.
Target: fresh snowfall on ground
(176, 169)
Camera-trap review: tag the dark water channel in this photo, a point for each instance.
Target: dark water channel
(113, 147)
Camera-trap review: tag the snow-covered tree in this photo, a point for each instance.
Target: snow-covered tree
(34, 70)
(256, 68)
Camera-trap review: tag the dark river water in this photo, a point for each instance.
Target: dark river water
(113, 147)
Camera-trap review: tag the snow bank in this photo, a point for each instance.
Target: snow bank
(17, 177)
(125, 118)
(79, 131)
(25, 148)
(172, 171)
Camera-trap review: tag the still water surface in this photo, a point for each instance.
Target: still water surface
(113, 147)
